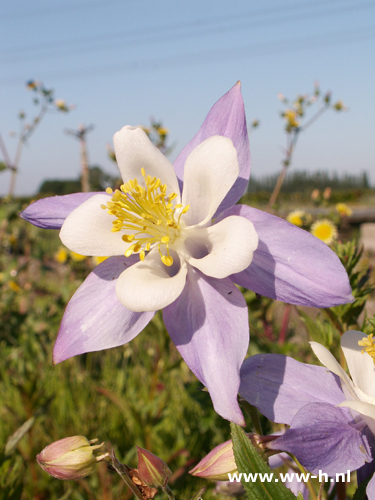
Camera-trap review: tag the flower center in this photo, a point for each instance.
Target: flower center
(148, 214)
(368, 344)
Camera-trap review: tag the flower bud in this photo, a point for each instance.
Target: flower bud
(152, 470)
(217, 464)
(327, 193)
(315, 194)
(220, 461)
(70, 458)
(340, 106)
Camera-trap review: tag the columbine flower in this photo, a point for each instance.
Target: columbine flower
(343, 209)
(325, 230)
(331, 417)
(178, 259)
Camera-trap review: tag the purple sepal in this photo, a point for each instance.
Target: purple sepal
(50, 213)
(291, 264)
(226, 118)
(280, 386)
(94, 318)
(368, 469)
(209, 325)
(325, 438)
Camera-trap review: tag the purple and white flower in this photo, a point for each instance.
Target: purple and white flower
(331, 416)
(194, 246)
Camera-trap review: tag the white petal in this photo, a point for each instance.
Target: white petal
(210, 171)
(87, 230)
(134, 150)
(328, 360)
(366, 410)
(150, 285)
(361, 366)
(223, 249)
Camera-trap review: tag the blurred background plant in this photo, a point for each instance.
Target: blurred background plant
(45, 101)
(296, 122)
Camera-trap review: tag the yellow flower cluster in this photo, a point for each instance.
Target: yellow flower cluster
(62, 255)
(343, 209)
(291, 118)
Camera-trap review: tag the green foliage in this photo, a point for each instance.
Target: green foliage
(248, 461)
(140, 394)
(303, 181)
(347, 316)
(99, 181)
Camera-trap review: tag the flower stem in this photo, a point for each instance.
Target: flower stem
(168, 492)
(123, 473)
(254, 414)
(321, 490)
(309, 482)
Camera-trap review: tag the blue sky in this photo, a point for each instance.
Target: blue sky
(122, 61)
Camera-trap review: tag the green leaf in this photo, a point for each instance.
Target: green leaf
(198, 496)
(16, 437)
(360, 493)
(2, 166)
(249, 461)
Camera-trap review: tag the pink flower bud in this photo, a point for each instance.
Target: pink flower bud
(70, 458)
(152, 470)
(217, 464)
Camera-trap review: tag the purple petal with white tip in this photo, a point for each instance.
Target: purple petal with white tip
(280, 386)
(324, 438)
(290, 264)
(226, 118)
(209, 325)
(50, 213)
(94, 318)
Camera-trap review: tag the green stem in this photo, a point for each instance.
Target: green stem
(123, 473)
(309, 483)
(254, 414)
(168, 492)
(321, 490)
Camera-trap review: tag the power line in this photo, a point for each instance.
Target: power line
(213, 56)
(56, 10)
(173, 31)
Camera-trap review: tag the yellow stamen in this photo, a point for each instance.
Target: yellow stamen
(147, 216)
(368, 344)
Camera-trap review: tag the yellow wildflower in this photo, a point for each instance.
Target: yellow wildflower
(296, 217)
(343, 209)
(291, 117)
(99, 260)
(13, 286)
(77, 257)
(61, 255)
(162, 131)
(325, 230)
